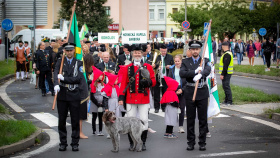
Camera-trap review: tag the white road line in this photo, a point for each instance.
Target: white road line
(222, 115)
(231, 153)
(47, 118)
(7, 99)
(54, 141)
(162, 114)
(273, 125)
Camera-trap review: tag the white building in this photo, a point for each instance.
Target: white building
(157, 18)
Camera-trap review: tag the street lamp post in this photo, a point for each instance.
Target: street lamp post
(185, 48)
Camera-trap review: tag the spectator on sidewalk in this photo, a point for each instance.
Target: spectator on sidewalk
(278, 52)
(220, 48)
(214, 48)
(170, 47)
(251, 52)
(239, 50)
(226, 70)
(267, 48)
(258, 46)
(262, 54)
(233, 43)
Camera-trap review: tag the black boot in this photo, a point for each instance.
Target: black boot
(94, 117)
(130, 142)
(144, 138)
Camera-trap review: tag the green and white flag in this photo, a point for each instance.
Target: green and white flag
(214, 103)
(84, 31)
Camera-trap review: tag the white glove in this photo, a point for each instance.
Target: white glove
(197, 77)
(198, 69)
(56, 89)
(59, 76)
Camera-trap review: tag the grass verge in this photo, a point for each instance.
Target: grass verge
(13, 131)
(257, 69)
(269, 112)
(247, 95)
(7, 69)
(3, 110)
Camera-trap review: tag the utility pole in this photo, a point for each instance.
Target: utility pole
(185, 47)
(3, 35)
(34, 26)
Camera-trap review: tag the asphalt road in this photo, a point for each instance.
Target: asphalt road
(232, 135)
(267, 86)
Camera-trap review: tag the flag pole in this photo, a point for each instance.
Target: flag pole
(63, 56)
(202, 59)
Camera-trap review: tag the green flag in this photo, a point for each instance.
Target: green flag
(84, 31)
(214, 103)
(74, 38)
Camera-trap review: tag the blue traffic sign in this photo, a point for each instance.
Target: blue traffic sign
(186, 24)
(7, 25)
(205, 28)
(262, 31)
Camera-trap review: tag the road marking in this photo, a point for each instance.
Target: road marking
(7, 99)
(273, 125)
(231, 153)
(47, 118)
(54, 141)
(162, 114)
(222, 115)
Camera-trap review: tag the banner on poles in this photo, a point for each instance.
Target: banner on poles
(137, 36)
(107, 37)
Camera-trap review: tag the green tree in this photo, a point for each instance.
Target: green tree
(90, 12)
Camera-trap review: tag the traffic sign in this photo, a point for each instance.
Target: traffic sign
(205, 28)
(186, 24)
(7, 25)
(262, 31)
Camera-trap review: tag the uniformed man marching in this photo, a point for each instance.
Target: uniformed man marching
(68, 96)
(190, 71)
(136, 81)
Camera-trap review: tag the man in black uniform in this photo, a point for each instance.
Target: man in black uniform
(162, 64)
(68, 97)
(147, 54)
(126, 56)
(44, 66)
(190, 71)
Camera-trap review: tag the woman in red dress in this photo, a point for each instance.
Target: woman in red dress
(251, 52)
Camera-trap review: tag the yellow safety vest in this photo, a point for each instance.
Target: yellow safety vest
(230, 67)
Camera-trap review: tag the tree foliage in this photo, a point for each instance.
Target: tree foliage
(90, 12)
(230, 17)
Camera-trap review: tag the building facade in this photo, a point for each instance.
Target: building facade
(157, 18)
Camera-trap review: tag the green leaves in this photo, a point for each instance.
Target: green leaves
(88, 12)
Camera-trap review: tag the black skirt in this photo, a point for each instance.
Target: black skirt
(83, 111)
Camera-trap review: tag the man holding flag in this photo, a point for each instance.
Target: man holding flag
(193, 72)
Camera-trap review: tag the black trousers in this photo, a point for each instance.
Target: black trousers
(201, 107)
(45, 75)
(21, 67)
(182, 103)
(157, 90)
(227, 89)
(267, 59)
(74, 108)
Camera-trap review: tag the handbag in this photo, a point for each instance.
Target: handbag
(33, 78)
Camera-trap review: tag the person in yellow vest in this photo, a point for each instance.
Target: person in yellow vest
(28, 58)
(20, 60)
(226, 70)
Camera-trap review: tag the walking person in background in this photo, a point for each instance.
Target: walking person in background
(233, 43)
(278, 52)
(174, 74)
(20, 60)
(220, 48)
(214, 49)
(258, 46)
(251, 52)
(267, 49)
(239, 50)
(170, 47)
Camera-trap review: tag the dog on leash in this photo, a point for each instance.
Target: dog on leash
(123, 125)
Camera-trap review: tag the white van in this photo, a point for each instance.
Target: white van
(25, 35)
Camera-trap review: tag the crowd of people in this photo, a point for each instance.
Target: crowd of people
(130, 80)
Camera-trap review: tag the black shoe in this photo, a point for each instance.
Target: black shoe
(156, 110)
(62, 147)
(131, 147)
(202, 148)
(144, 147)
(190, 147)
(43, 94)
(53, 94)
(75, 148)
(163, 110)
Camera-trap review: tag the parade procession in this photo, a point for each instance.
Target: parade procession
(85, 90)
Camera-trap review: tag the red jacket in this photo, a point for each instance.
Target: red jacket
(135, 98)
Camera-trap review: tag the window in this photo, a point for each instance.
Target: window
(161, 14)
(108, 10)
(174, 10)
(152, 14)
(161, 34)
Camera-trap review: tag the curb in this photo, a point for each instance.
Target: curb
(257, 76)
(237, 110)
(5, 78)
(21, 145)
(276, 116)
